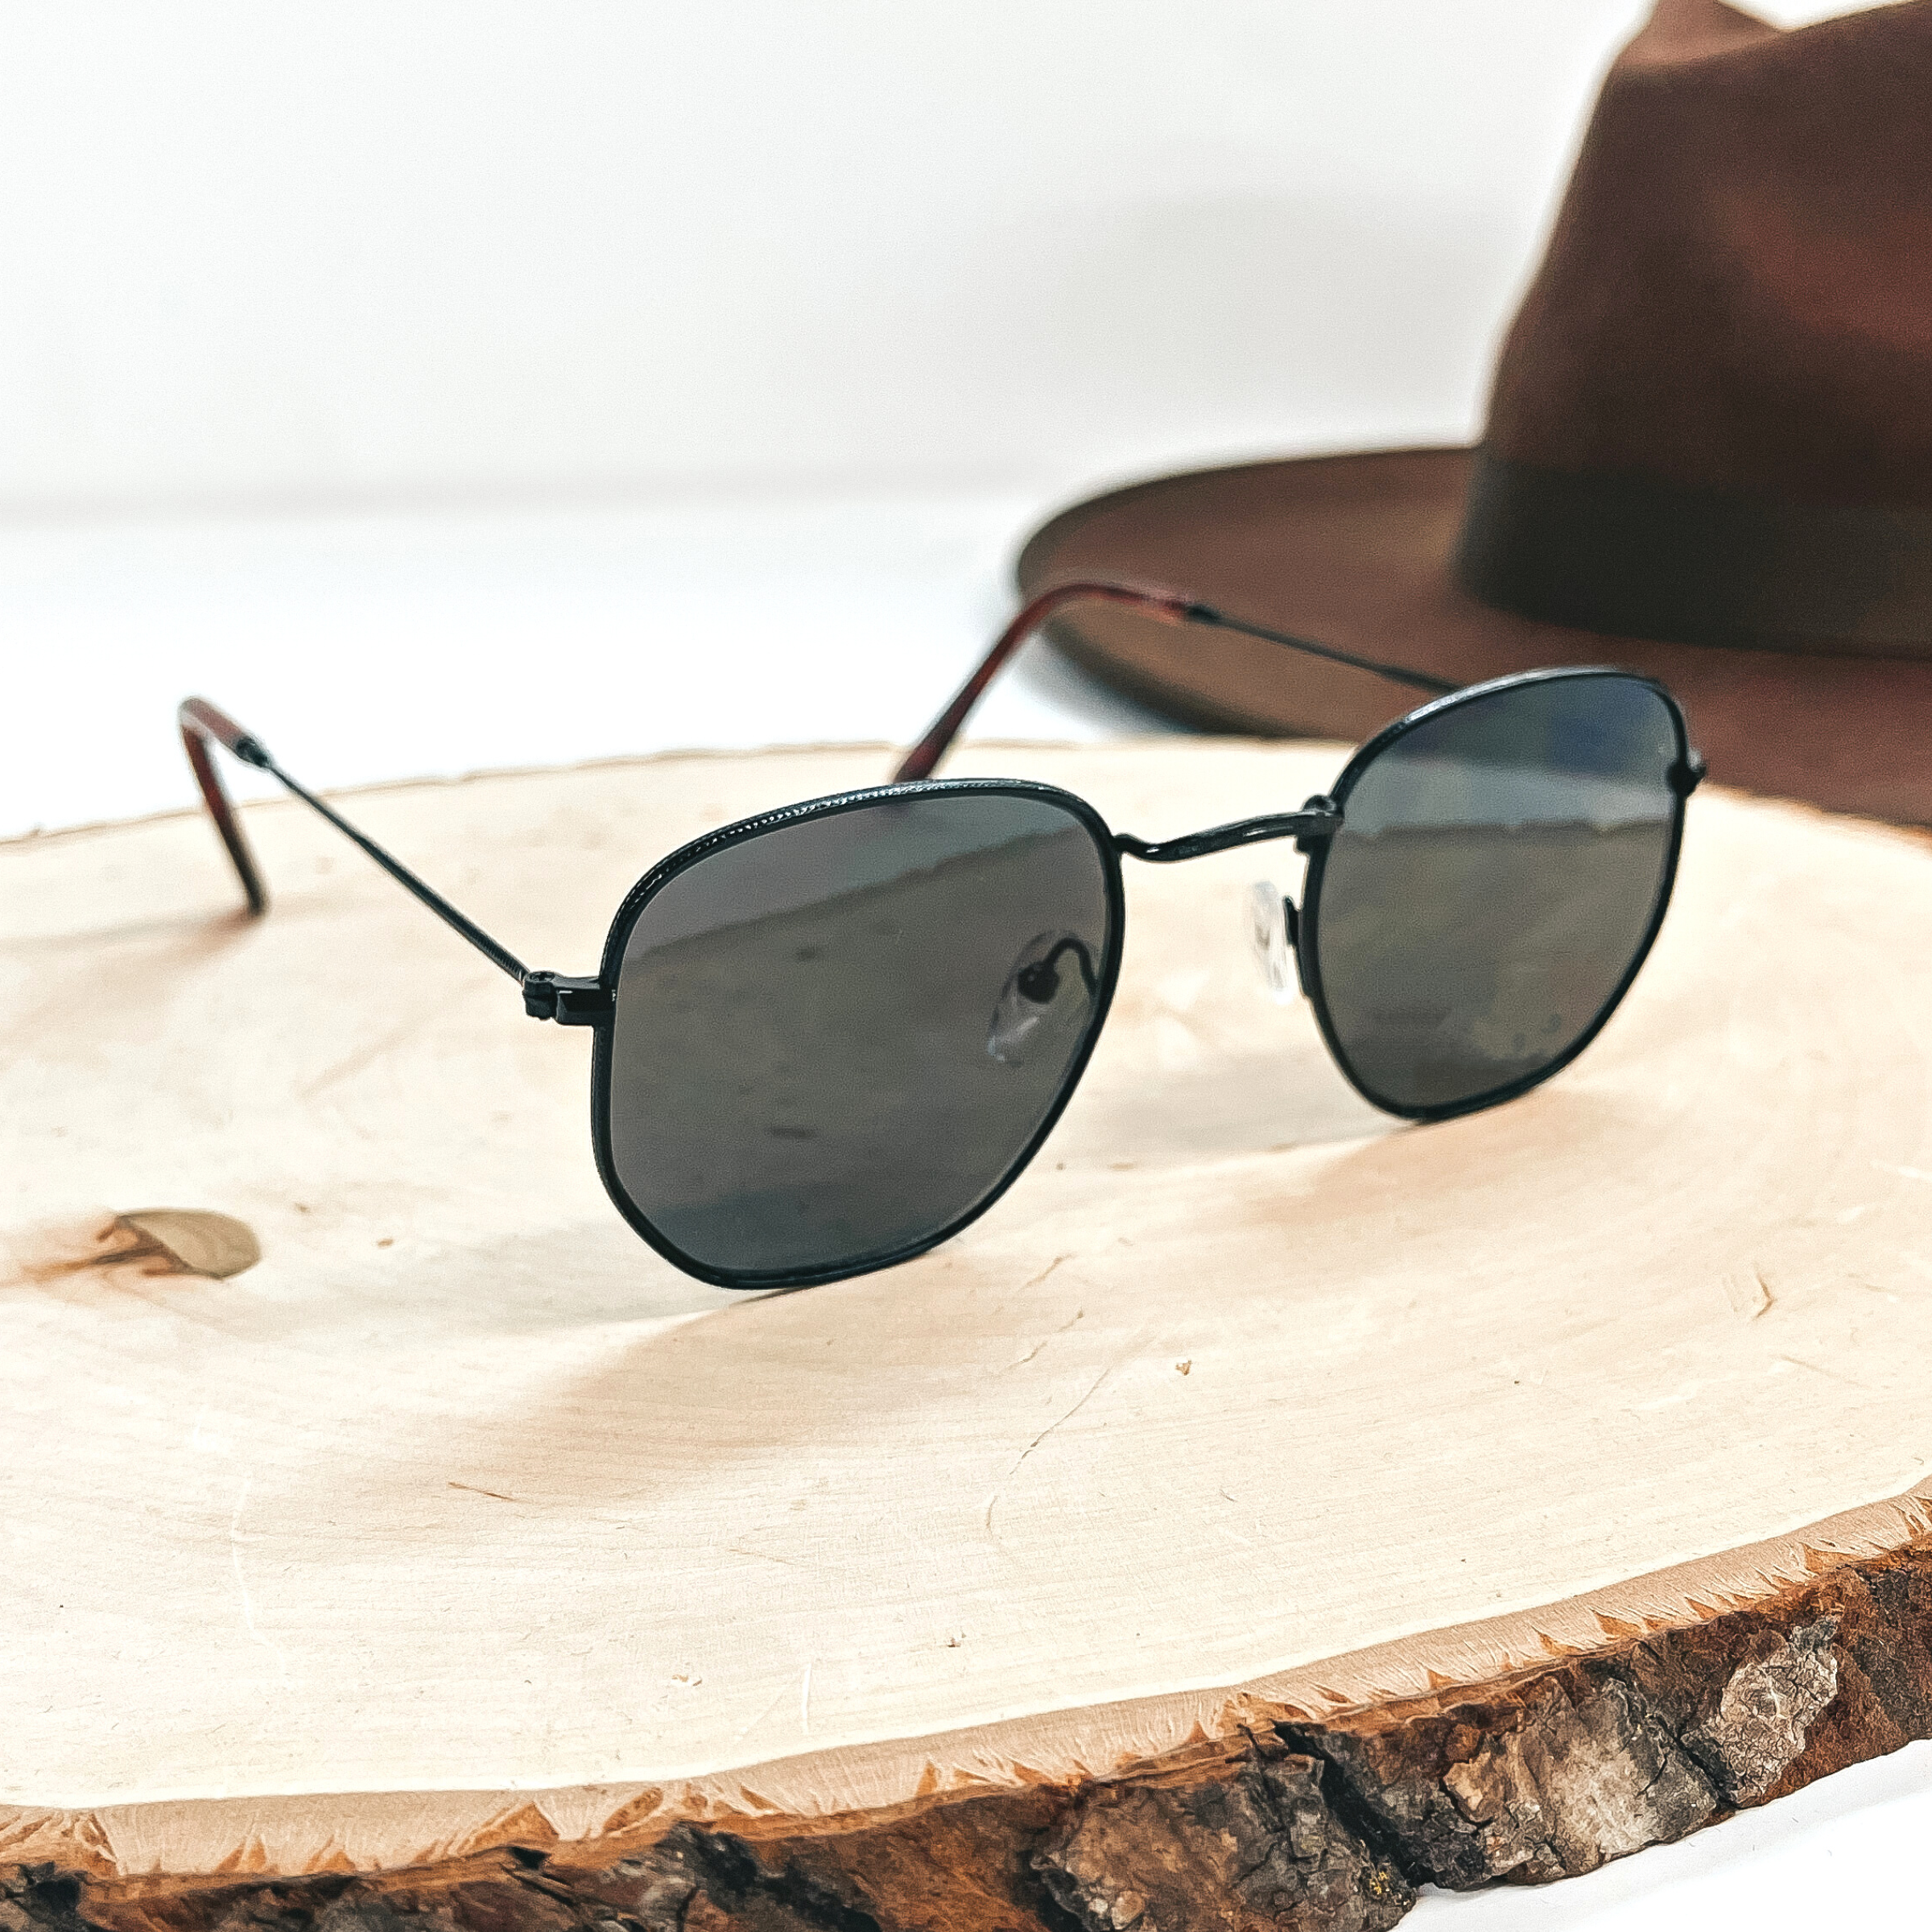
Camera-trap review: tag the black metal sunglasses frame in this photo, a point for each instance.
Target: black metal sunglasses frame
(591, 1001)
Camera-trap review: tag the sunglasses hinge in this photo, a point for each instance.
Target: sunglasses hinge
(1685, 778)
(570, 1002)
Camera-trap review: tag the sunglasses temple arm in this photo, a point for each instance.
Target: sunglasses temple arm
(203, 726)
(1165, 606)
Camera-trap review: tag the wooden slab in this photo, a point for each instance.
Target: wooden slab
(1265, 1509)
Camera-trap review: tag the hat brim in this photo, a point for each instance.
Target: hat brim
(1354, 551)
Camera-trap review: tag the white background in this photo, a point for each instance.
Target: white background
(313, 253)
(450, 385)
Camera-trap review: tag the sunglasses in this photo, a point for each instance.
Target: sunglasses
(830, 1037)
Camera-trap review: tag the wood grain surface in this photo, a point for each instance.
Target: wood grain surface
(1266, 1510)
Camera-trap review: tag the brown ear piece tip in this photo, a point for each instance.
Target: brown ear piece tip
(196, 1240)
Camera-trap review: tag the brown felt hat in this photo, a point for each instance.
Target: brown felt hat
(1709, 454)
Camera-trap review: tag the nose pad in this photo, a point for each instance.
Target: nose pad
(1052, 981)
(1271, 933)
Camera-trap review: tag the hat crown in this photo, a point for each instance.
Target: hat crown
(1727, 349)
(1738, 293)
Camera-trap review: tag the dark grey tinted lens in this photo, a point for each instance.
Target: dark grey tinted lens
(1498, 871)
(834, 1040)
